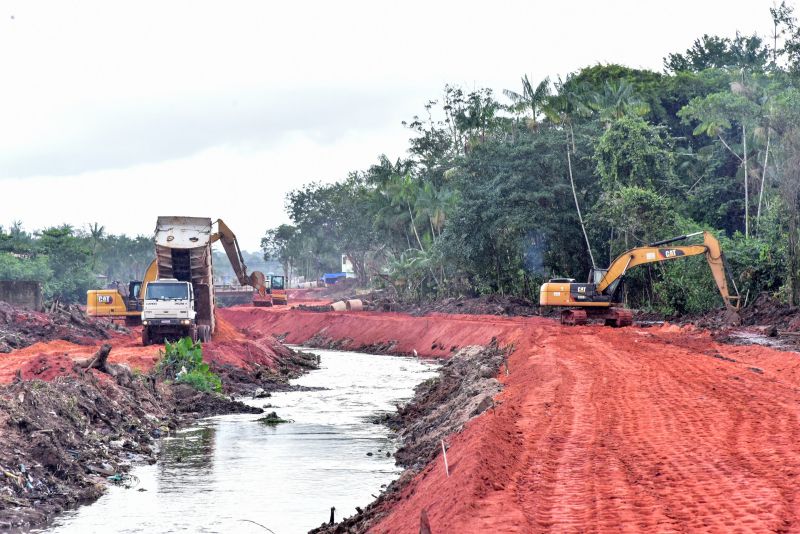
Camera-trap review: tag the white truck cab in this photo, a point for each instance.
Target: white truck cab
(169, 312)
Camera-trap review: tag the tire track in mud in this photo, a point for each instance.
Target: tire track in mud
(622, 434)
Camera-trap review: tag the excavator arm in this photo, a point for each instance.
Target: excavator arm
(229, 242)
(657, 253)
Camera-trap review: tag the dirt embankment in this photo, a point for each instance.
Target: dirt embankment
(388, 333)
(66, 439)
(649, 429)
(66, 429)
(20, 328)
(244, 360)
(464, 389)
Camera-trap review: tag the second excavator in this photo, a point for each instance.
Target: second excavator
(601, 297)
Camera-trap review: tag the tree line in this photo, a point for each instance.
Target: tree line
(68, 261)
(500, 192)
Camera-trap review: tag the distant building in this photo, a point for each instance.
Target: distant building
(347, 266)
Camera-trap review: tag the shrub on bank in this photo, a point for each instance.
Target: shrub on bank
(183, 361)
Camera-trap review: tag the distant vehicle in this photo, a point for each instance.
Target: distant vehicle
(330, 279)
(277, 289)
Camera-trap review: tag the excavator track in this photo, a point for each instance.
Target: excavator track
(619, 317)
(573, 317)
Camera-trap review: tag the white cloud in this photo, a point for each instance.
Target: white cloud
(206, 102)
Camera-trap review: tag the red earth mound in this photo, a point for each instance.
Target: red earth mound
(46, 360)
(434, 335)
(20, 327)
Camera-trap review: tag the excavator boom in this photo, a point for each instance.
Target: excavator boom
(256, 279)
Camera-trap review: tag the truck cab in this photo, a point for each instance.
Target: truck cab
(169, 312)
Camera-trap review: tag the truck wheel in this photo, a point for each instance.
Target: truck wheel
(204, 333)
(146, 336)
(193, 334)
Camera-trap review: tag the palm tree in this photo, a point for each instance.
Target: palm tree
(402, 191)
(433, 204)
(618, 99)
(530, 98)
(96, 234)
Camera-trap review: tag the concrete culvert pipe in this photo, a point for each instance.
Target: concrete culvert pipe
(339, 306)
(355, 305)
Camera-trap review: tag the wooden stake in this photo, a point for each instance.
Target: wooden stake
(446, 467)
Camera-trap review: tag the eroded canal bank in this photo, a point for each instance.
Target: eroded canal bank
(229, 471)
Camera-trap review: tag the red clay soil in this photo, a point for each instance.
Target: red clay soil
(434, 335)
(46, 360)
(598, 429)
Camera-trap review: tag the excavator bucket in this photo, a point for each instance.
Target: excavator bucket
(261, 297)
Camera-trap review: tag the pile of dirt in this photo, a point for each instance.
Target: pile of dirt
(20, 328)
(64, 440)
(247, 360)
(464, 389)
(765, 312)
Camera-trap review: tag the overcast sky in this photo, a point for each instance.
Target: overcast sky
(118, 112)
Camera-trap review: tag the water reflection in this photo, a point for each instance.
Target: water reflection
(229, 470)
(188, 456)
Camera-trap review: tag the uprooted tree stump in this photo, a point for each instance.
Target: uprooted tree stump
(99, 361)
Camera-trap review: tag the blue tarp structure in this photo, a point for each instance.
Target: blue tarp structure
(332, 278)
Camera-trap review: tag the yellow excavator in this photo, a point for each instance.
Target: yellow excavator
(113, 304)
(600, 298)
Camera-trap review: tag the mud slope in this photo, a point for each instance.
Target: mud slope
(393, 333)
(597, 429)
(244, 361)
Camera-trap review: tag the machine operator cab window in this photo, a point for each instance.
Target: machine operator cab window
(276, 282)
(596, 275)
(167, 291)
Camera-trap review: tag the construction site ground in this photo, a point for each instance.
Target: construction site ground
(643, 429)
(596, 429)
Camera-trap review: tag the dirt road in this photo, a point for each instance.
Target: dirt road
(602, 430)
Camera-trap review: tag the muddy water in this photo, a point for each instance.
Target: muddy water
(228, 472)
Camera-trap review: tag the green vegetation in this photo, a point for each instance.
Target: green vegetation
(68, 261)
(183, 361)
(272, 419)
(498, 194)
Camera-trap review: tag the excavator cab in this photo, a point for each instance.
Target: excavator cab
(134, 295)
(595, 275)
(277, 286)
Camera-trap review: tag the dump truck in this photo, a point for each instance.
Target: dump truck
(601, 297)
(114, 305)
(180, 302)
